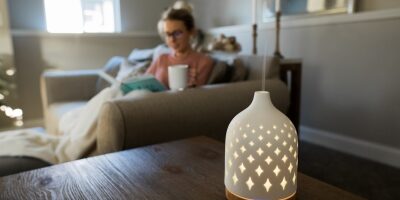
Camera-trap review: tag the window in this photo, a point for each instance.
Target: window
(79, 16)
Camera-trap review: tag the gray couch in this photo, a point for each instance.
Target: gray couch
(129, 122)
(157, 117)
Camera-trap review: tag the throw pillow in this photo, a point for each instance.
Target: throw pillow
(229, 58)
(111, 68)
(238, 72)
(129, 70)
(138, 55)
(218, 73)
(161, 49)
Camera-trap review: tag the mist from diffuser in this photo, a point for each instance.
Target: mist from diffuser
(261, 153)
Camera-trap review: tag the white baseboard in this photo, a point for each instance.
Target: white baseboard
(371, 151)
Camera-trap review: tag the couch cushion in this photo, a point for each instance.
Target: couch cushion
(56, 110)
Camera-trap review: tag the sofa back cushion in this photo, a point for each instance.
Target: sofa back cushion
(255, 63)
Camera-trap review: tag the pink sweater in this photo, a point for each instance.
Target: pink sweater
(200, 66)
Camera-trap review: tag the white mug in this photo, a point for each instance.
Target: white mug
(178, 77)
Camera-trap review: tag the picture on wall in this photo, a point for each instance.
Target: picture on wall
(306, 7)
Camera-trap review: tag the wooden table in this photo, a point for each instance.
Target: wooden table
(185, 169)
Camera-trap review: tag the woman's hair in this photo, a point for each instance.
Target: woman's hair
(180, 15)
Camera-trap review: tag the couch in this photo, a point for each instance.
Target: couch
(128, 122)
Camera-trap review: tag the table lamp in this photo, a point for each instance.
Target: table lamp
(261, 150)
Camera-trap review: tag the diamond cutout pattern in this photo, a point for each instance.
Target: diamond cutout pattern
(284, 158)
(242, 168)
(252, 138)
(277, 151)
(277, 170)
(235, 179)
(268, 160)
(259, 171)
(294, 179)
(235, 155)
(267, 185)
(290, 168)
(250, 158)
(249, 183)
(243, 149)
(260, 151)
(283, 183)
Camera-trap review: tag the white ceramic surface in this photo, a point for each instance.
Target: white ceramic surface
(178, 77)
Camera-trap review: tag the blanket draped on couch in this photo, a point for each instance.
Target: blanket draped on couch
(78, 127)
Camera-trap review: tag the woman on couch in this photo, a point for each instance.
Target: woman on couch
(179, 28)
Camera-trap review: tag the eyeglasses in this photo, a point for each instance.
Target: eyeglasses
(174, 34)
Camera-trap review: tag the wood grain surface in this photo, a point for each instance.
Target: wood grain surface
(185, 169)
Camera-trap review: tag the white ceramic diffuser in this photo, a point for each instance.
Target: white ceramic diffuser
(261, 153)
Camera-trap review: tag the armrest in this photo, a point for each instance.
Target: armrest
(62, 86)
(290, 73)
(159, 117)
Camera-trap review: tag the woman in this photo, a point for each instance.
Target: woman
(179, 28)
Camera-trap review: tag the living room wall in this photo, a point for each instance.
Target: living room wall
(37, 50)
(212, 14)
(350, 86)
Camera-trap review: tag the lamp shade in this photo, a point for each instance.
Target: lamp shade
(261, 150)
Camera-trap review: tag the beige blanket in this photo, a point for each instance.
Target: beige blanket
(78, 128)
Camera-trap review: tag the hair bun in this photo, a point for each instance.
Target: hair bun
(184, 5)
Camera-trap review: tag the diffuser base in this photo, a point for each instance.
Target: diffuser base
(231, 196)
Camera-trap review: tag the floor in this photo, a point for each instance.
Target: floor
(359, 176)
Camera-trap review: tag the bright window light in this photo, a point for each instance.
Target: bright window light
(78, 16)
